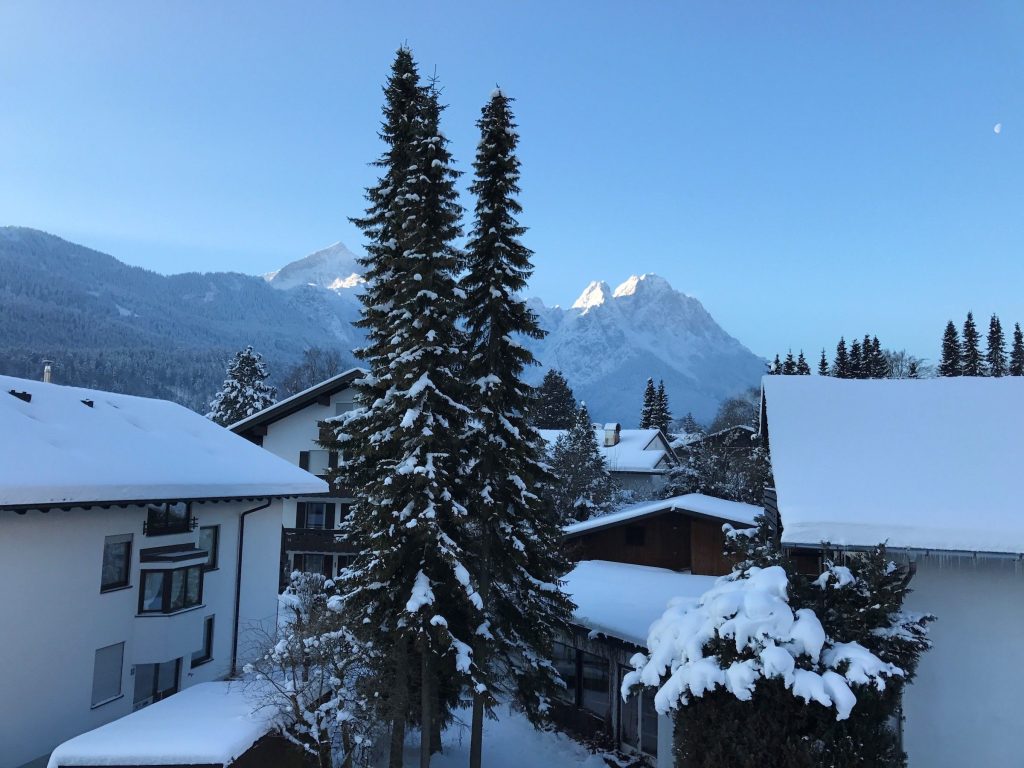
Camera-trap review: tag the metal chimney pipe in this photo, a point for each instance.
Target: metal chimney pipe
(47, 371)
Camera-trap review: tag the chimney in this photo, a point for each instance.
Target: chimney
(611, 434)
(47, 371)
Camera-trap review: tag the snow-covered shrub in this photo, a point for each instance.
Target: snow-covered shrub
(314, 674)
(774, 667)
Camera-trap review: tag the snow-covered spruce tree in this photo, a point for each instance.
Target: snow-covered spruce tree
(647, 409)
(823, 367)
(813, 679)
(856, 360)
(950, 363)
(841, 366)
(314, 672)
(972, 363)
(775, 367)
(244, 391)
(517, 559)
(802, 368)
(995, 357)
(409, 591)
(583, 487)
(879, 365)
(662, 415)
(789, 364)
(690, 426)
(554, 405)
(1017, 352)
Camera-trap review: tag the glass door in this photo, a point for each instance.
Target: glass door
(154, 682)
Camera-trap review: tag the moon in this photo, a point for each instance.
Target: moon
(998, 128)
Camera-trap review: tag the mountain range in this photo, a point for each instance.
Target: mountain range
(124, 328)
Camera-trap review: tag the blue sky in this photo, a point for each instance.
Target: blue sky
(805, 169)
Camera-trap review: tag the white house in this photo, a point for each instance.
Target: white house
(638, 459)
(290, 429)
(139, 545)
(931, 468)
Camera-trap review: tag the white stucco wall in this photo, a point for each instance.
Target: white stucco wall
(56, 618)
(963, 708)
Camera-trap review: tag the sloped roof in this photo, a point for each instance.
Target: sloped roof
(623, 600)
(930, 464)
(638, 450)
(298, 401)
(696, 503)
(68, 446)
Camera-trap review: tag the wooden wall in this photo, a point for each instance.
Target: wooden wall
(707, 542)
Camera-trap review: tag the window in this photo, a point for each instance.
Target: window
(317, 515)
(154, 682)
(170, 591)
(106, 674)
(648, 724)
(635, 535)
(205, 653)
(164, 519)
(314, 563)
(345, 560)
(117, 561)
(595, 684)
(209, 540)
(565, 662)
(629, 717)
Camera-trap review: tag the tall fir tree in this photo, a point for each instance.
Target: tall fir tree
(970, 342)
(879, 366)
(995, 357)
(856, 360)
(583, 488)
(1017, 352)
(775, 367)
(950, 363)
(823, 367)
(802, 368)
(648, 407)
(662, 412)
(789, 365)
(553, 405)
(841, 366)
(689, 425)
(245, 390)
(403, 448)
(518, 548)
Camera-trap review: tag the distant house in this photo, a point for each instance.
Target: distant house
(138, 550)
(739, 436)
(931, 467)
(631, 564)
(638, 459)
(290, 429)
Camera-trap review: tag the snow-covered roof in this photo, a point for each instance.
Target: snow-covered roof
(698, 503)
(623, 600)
(299, 400)
(929, 464)
(65, 445)
(209, 723)
(638, 450)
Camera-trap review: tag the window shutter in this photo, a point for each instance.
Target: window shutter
(329, 517)
(304, 460)
(300, 515)
(297, 564)
(332, 459)
(329, 566)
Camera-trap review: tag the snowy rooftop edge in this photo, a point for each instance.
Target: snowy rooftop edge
(326, 383)
(630, 454)
(709, 506)
(942, 455)
(73, 446)
(208, 723)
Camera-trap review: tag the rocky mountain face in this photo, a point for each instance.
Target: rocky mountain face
(124, 328)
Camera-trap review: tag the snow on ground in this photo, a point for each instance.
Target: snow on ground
(81, 445)
(209, 723)
(623, 600)
(509, 742)
(940, 459)
(734, 511)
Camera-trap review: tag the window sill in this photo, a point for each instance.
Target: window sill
(158, 614)
(108, 590)
(107, 701)
(200, 662)
(209, 570)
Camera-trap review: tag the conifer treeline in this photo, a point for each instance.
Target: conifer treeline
(962, 355)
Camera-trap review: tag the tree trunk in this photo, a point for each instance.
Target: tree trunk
(476, 737)
(435, 722)
(426, 707)
(399, 703)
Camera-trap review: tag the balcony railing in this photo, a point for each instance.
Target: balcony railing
(168, 519)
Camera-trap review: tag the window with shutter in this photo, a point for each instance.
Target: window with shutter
(329, 519)
(300, 515)
(304, 460)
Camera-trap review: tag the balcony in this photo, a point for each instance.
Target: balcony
(315, 540)
(168, 519)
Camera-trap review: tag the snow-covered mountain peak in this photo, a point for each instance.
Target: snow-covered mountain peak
(594, 295)
(647, 284)
(334, 267)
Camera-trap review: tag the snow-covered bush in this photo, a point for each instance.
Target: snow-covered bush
(774, 667)
(314, 674)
